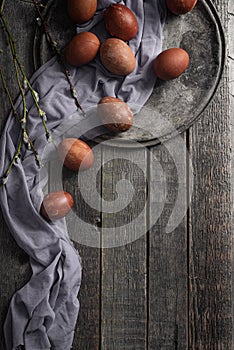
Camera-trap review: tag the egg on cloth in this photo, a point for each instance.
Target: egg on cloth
(81, 11)
(171, 63)
(180, 7)
(121, 22)
(117, 57)
(82, 49)
(115, 114)
(56, 205)
(75, 154)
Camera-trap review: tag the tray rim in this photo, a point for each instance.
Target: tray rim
(124, 143)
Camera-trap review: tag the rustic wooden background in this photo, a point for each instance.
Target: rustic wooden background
(163, 291)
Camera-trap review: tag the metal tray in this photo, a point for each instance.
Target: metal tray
(174, 105)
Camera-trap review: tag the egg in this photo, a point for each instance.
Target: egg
(75, 154)
(180, 7)
(81, 11)
(56, 205)
(121, 22)
(82, 49)
(117, 56)
(115, 114)
(171, 63)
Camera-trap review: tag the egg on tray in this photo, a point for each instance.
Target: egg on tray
(117, 57)
(82, 49)
(180, 7)
(121, 22)
(81, 11)
(115, 114)
(171, 63)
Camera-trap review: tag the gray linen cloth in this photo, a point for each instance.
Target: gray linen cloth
(42, 315)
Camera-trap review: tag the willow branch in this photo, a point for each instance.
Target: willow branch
(24, 137)
(15, 157)
(21, 68)
(23, 133)
(57, 51)
(8, 94)
(2, 6)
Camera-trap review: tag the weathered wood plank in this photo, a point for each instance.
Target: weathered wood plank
(210, 241)
(231, 95)
(123, 291)
(88, 324)
(14, 269)
(167, 285)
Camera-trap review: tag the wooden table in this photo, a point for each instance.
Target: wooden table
(162, 291)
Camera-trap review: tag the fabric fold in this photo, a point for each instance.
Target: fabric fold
(42, 315)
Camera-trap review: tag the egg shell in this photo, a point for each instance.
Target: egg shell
(171, 63)
(81, 11)
(56, 205)
(180, 7)
(115, 114)
(75, 154)
(117, 56)
(121, 22)
(82, 49)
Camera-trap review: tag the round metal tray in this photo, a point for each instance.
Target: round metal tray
(174, 105)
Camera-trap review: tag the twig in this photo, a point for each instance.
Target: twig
(21, 68)
(23, 135)
(57, 51)
(2, 5)
(30, 3)
(8, 94)
(17, 152)
(15, 157)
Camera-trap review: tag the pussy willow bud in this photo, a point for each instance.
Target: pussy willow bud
(17, 159)
(36, 95)
(4, 180)
(44, 117)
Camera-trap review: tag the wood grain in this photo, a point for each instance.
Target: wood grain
(210, 238)
(123, 291)
(14, 269)
(167, 261)
(87, 334)
(231, 96)
(88, 323)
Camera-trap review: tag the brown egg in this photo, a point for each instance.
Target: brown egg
(115, 114)
(75, 154)
(82, 49)
(121, 22)
(81, 11)
(56, 205)
(171, 63)
(180, 7)
(117, 57)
